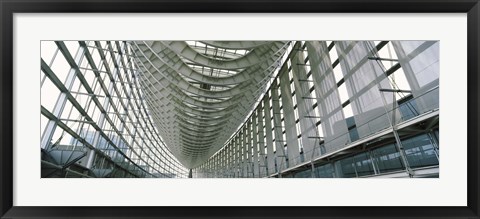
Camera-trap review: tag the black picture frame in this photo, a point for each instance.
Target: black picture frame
(9, 7)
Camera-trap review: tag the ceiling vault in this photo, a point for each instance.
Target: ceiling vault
(198, 92)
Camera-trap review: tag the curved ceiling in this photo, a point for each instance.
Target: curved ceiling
(199, 92)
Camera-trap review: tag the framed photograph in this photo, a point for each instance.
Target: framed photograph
(205, 109)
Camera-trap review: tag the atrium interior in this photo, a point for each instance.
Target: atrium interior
(239, 109)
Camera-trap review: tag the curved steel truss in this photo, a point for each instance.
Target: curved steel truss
(199, 92)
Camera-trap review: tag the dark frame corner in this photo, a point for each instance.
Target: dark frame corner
(9, 7)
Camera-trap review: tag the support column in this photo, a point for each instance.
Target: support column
(268, 136)
(363, 78)
(249, 150)
(304, 103)
(262, 152)
(293, 151)
(255, 146)
(333, 122)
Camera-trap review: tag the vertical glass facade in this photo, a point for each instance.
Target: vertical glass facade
(342, 104)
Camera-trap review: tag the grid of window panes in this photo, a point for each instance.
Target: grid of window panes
(91, 102)
(319, 104)
(380, 160)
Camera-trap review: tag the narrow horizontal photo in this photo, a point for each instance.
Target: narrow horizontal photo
(239, 109)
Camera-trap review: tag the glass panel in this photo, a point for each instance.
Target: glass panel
(363, 164)
(47, 50)
(60, 67)
(43, 122)
(347, 167)
(419, 151)
(337, 72)
(72, 47)
(408, 109)
(49, 95)
(387, 159)
(353, 134)
(325, 171)
(342, 91)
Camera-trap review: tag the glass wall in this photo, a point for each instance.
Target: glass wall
(95, 122)
(331, 95)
